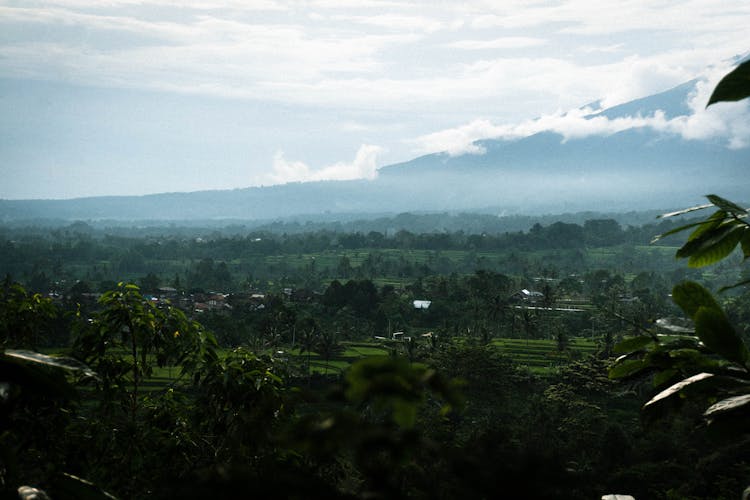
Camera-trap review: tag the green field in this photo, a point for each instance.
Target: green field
(540, 356)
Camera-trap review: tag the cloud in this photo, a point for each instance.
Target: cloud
(635, 77)
(460, 140)
(217, 53)
(208, 5)
(508, 42)
(724, 121)
(376, 54)
(584, 17)
(395, 22)
(364, 166)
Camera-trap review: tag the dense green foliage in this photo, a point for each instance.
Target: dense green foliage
(58, 259)
(458, 412)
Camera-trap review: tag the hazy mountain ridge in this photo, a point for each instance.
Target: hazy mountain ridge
(635, 169)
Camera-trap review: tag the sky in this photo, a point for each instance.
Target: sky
(130, 97)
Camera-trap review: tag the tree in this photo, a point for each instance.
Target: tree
(708, 361)
(25, 319)
(151, 337)
(150, 283)
(240, 402)
(344, 267)
(602, 232)
(328, 346)
(375, 439)
(307, 332)
(125, 432)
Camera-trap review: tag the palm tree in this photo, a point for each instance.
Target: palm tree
(328, 346)
(308, 339)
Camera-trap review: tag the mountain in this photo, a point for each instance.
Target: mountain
(634, 169)
(672, 103)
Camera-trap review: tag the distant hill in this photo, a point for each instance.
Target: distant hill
(636, 169)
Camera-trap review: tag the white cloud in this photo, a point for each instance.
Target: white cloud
(726, 120)
(723, 121)
(396, 22)
(366, 55)
(604, 49)
(208, 53)
(355, 126)
(355, 4)
(460, 140)
(635, 77)
(208, 5)
(584, 17)
(364, 166)
(508, 42)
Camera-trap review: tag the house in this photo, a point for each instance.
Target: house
(422, 304)
(218, 302)
(168, 293)
(395, 337)
(528, 295)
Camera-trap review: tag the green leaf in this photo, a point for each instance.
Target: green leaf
(684, 211)
(713, 220)
(672, 342)
(734, 86)
(69, 487)
(632, 344)
(727, 405)
(726, 205)
(677, 230)
(397, 386)
(31, 493)
(404, 413)
(690, 296)
(678, 388)
(712, 241)
(35, 378)
(686, 353)
(728, 418)
(627, 368)
(676, 325)
(715, 331)
(57, 361)
(684, 357)
(719, 246)
(745, 245)
(664, 376)
(705, 226)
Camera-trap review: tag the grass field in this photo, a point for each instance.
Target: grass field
(540, 356)
(543, 355)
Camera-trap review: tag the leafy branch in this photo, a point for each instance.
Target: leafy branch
(710, 360)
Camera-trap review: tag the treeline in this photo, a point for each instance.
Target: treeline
(169, 242)
(442, 222)
(79, 252)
